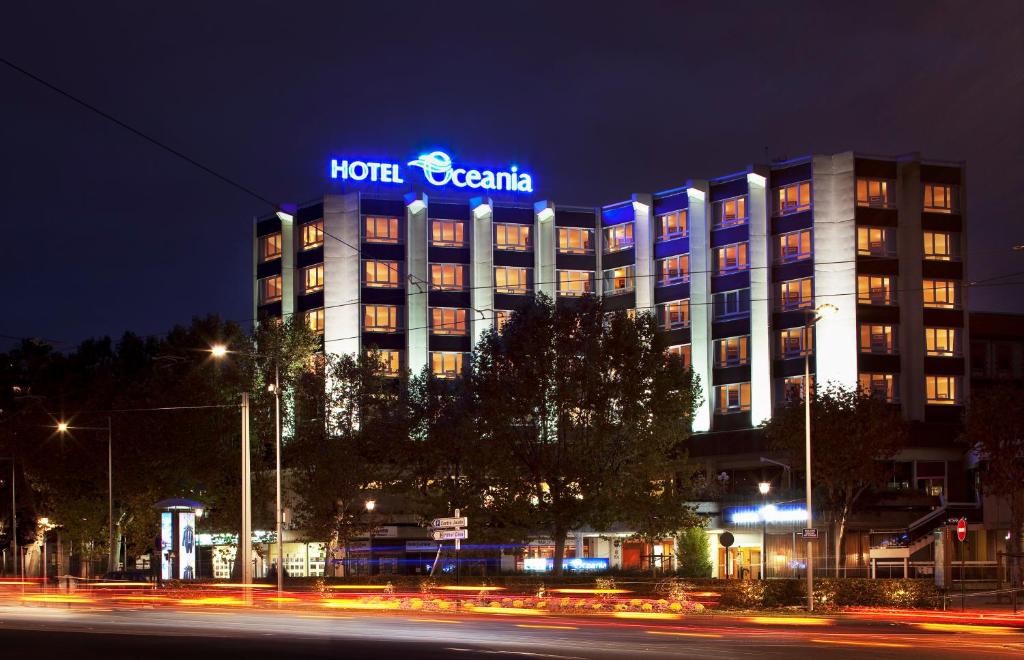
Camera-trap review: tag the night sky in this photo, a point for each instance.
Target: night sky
(102, 232)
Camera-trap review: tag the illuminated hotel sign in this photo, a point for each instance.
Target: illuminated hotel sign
(437, 169)
(767, 514)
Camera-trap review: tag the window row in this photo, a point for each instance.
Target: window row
(939, 390)
(881, 242)
(880, 193)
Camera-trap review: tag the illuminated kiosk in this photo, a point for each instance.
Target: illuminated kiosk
(178, 538)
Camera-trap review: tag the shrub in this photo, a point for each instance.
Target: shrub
(693, 553)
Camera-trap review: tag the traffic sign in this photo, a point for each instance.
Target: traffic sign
(810, 533)
(450, 534)
(726, 539)
(961, 530)
(449, 523)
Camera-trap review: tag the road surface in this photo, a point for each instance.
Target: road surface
(218, 634)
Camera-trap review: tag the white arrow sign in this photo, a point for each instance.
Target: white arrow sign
(449, 523)
(450, 534)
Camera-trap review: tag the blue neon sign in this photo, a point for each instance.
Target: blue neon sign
(438, 170)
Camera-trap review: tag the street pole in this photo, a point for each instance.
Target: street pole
(807, 458)
(244, 553)
(14, 522)
(277, 443)
(112, 561)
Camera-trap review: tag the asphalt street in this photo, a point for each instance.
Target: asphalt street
(45, 632)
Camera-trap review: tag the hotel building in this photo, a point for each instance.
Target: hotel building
(732, 267)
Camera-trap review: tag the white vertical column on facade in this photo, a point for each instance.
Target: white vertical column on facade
(544, 248)
(700, 298)
(599, 251)
(417, 287)
(758, 206)
(643, 240)
(342, 275)
(835, 268)
(288, 279)
(255, 274)
(909, 291)
(481, 260)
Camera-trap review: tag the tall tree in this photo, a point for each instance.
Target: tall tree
(586, 416)
(853, 435)
(994, 429)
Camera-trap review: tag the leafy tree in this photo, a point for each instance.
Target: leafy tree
(693, 552)
(585, 418)
(994, 429)
(353, 449)
(853, 435)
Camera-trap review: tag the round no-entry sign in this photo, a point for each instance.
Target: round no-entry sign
(961, 530)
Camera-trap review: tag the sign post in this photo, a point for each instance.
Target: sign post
(961, 536)
(450, 529)
(726, 539)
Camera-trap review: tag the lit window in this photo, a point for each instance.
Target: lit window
(381, 274)
(940, 294)
(793, 388)
(881, 386)
(732, 398)
(940, 198)
(315, 320)
(731, 258)
(447, 277)
(730, 212)
(445, 364)
(312, 234)
(875, 290)
(378, 229)
(673, 270)
(575, 240)
(674, 315)
(875, 193)
(618, 280)
(877, 338)
(795, 342)
(681, 351)
(942, 342)
(618, 237)
(447, 321)
(795, 246)
(732, 351)
(390, 362)
(380, 318)
(942, 390)
(673, 225)
(501, 317)
(270, 289)
(796, 294)
(876, 242)
(447, 233)
(793, 198)
(270, 247)
(941, 246)
(511, 237)
(731, 304)
(575, 282)
(313, 278)
(511, 279)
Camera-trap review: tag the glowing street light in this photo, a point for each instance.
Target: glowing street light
(64, 428)
(764, 487)
(218, 350)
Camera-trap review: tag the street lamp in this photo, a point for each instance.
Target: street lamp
(221, 351)
(370, 506)
(64, 428)
(813, 316)
(14, 521)
(763, 488)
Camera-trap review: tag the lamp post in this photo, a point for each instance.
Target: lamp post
(14, 520)
(813, 316)
(370, 506)
(763, 488)
(64, 428)
(220, 351)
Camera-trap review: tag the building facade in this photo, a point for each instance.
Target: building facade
(733, 268)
